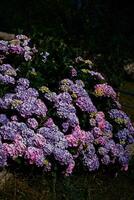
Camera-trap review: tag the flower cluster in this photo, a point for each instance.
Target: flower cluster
(64, 107)
(44, 56)
(125, 135)
(105, 90)
(25, 100)
(94, 74)
(18, 46)
(73, 71)
(18, 140)
(29, 131)
(119, 116)
(7, 74)
(77, 91)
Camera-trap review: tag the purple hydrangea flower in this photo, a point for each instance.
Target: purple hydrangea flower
(73, 72)
(82, 98)
(23, 82)
(64, 107)
(7, 79)
(96, 75)
(119, 116)
(3, 119)
(7, 69)
(32, 123)
(105, 160)
(102, 151)
(91, 163)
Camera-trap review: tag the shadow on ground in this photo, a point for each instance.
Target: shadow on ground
(80, 186)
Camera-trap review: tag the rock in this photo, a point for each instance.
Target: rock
(6, 36)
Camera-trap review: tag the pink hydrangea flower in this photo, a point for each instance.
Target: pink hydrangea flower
(105, 90)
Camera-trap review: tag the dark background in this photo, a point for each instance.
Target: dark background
(102, 29)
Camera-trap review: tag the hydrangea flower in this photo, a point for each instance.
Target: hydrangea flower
(32, 123)
(28, 131)
(35, 156)
(18, 46)
(119, 116)
(3, 119)
(77, 91)
(105, 90)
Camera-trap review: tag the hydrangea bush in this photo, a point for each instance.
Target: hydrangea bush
(79, 122)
